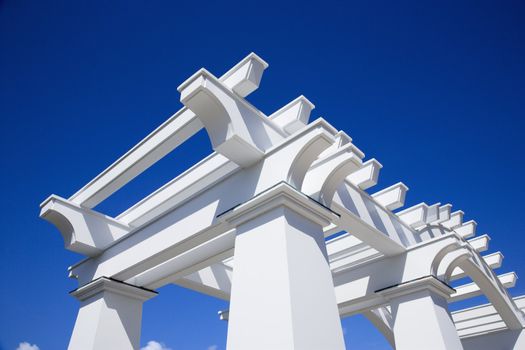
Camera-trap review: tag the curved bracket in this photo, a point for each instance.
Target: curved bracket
(323, 178)
(305, 154)
(381, 318)
(440, 255)
(490, 285)
(236, 129)
(451, 261)
(84, 231)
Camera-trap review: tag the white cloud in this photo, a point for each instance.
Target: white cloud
(213, 347)
(153, 345)
(26, 346)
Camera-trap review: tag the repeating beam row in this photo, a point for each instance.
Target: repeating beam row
(470, 290)
(481, 319)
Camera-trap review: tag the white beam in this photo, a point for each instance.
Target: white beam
(85, 231)
(480, 243)
(456, 219)
(493, 260)
(494, 290)
(202, 175)
(392, 197)
(370, 222)
(470, 290)
(482, 319)
(367, 176)
(236, 129)
(177, 129)
(245, 76)
(293, 116)
(214, 280)
(444, 214)
(467, 229)
(414, 216)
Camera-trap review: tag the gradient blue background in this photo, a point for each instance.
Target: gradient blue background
(433, 90)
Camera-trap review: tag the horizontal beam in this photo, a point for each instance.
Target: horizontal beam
(154, 242)
(480, 243)
(177, 129)
(202, 175)
(293, 116)
(85, 231)
(371, 223)
(444, 214)
(415, 216)
(470, 290)
(356, 288)
(367, 175)
(392, 197)
(481, 319)
(467, 229)
(495, 291)
(493, 261)
(456, 219)
(172, 133)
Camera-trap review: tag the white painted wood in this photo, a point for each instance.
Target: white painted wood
(456, 219)
(481, 319)
(493, 260)
(84, 230)
(467, 229)
(294, 116)
(296, 284)
(470, 290)
(367, 176)
(480, 243)
(415, 216)
(392, 197)
(420, 316)
(248, 224)
(110, 316)
(177, 129)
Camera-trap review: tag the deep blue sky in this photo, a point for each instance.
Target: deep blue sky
(433, 90)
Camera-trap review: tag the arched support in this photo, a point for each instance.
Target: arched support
(236, 129)
(451, 261)
(436, 231)
(306, 153)
(84, 230)
(381, 318)
(323, 177)
(490, 285)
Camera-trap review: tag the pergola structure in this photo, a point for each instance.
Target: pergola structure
(279, 221)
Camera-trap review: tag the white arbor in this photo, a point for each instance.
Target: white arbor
(252, 224)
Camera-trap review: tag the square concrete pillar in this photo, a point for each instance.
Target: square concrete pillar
(110, 315)
(421, 319)
(282, 294)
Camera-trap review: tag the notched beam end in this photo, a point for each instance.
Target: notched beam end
(84, 231)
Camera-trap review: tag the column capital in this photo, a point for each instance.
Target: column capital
(429, 283)
(106, 284)
(279, 195)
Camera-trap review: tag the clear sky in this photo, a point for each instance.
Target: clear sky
(434, 90)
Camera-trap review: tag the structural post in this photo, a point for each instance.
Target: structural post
(110, 315)
(420, 315)
(282, 293)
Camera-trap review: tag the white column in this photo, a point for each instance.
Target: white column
(110, 315)
(420, 315)
(282, 293)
